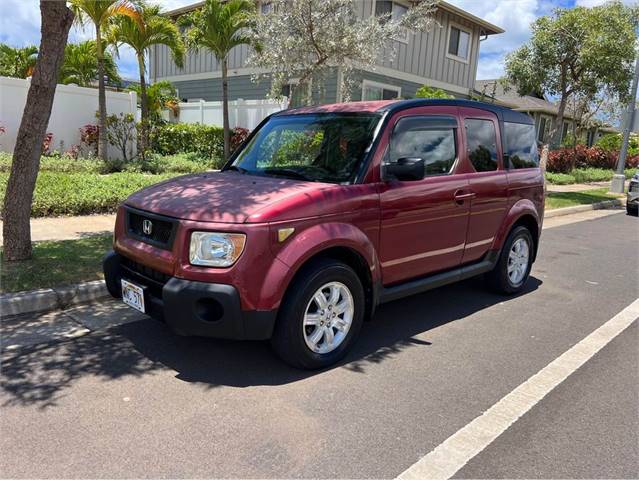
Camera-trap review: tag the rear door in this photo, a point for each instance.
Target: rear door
(488, 181)
(423, 226)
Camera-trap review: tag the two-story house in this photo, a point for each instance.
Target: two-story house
(446, 57)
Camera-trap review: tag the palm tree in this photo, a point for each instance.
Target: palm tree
(152, 28)
(219, 26)
(81, 65)
(100, 12)
(17, 62)
(159, 96)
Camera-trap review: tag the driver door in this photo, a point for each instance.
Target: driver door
(424, 222)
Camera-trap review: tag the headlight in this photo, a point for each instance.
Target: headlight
(214, 249)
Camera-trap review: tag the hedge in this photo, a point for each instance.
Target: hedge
(83, 193)
(156, 164)
(204, 140)
(564, 160)
(584, 175)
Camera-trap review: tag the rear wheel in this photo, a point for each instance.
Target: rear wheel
(515, 261)
(320, 316)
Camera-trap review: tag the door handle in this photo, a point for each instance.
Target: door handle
(460, 197)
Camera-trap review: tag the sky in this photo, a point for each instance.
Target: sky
(20, 26)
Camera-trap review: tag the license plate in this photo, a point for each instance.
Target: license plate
(133, 295)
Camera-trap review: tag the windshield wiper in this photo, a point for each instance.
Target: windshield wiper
(286, 172)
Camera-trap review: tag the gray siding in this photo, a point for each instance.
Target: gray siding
(242, 86)
(424, 55)
(408, 88)
(210, 89)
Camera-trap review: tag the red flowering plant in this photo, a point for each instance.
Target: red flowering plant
(46, 143)
(89, 137)
(238, 135)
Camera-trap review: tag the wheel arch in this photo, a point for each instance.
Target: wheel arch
(523, 213)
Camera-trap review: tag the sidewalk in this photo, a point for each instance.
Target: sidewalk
(576, 187)
(69, 228)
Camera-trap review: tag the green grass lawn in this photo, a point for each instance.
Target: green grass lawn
(56, 263)
(570, 199)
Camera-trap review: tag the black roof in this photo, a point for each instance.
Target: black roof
(503, 114)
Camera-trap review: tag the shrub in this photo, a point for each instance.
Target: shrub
(83, 193)
(169, 139)
(46, 143)
(560, 178)
(89, 137)
(431, 92)
(612, 142)
(179, 163)
(561, 161)
(64, 164)
(121, 133)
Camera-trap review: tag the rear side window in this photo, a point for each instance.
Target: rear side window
(429, 138)
(521, 146)
(482, 144)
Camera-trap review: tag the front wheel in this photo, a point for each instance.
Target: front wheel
(515, 261)
(320, 316)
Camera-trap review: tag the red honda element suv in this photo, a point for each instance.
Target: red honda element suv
(326, 212)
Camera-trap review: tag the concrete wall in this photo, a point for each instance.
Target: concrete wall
(73, 107)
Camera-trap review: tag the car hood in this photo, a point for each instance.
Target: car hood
(225, 197)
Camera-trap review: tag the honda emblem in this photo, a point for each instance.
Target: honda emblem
(147, 227)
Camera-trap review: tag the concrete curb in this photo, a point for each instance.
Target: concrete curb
(48, 299)
(60, 298)
(558, 212)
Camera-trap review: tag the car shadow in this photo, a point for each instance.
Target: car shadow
(40, 375)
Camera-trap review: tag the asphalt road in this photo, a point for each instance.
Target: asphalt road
(137, 401)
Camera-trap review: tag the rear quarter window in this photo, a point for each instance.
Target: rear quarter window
(520, 145)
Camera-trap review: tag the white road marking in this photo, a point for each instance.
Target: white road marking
(458, 449)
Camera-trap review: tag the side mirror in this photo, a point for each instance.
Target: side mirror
(406, 169)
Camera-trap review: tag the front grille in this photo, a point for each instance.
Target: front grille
(147, 276)
(159, 230)
(633, 187)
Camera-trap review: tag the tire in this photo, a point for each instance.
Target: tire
(499, 279)
(294, 334)
(632, 210)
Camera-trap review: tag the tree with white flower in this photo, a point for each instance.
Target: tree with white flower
(306, 40)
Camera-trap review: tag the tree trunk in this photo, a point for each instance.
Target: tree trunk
(144, 107)
(225, 109)
(102, 112)
(559, 122)
(558, 125)
(56, 21)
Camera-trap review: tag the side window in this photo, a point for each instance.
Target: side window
(482, 144)
(521, 146)
(429, 138)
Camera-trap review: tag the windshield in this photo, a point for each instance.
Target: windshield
(318, 148)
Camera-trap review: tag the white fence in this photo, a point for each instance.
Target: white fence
(73, 107)
(242, 113)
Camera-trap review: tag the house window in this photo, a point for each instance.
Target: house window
(544, 129)
(379, 91)
(396, 12)
(458, 43)
(566, 131)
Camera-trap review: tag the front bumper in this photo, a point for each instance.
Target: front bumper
(189, 307)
